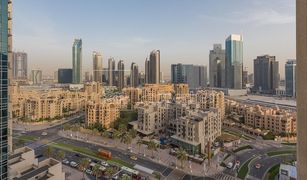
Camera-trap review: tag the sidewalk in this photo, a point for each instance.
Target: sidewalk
(161, 156)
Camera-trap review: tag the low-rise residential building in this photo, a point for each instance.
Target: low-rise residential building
(196, 130)
(24, 165)
(105, 111)
(133, 93)
(157, 92)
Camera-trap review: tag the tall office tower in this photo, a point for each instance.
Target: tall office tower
(217, 66)
(142, 78)
(152, 68)
(121, 74)
(36, 76)
(111, 71)
(20, 65)
(64, 76)
(77, 61)
(266, 75)
(87, 76)
(161, 77)
(234, 61)
(290, 77)
(55, 76)
(250, 79)
(105, 75)
(5, 50)
(193, 75)
(134, 75)
(97, 67)
(244, 78)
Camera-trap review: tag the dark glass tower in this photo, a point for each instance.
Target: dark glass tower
(5, 17)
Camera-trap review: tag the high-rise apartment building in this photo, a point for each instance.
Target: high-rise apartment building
(87, 76)
(97, 67)
(77, 61)
(193, 75)
(111, 71)
(5, 50)
(36, 76)
(134, 75)
(64, 76)
(290, 77)
(20, 65)
(121, 74)
(244, 78)
(152, 68)
(217, 66)
(266, 74)
(234, 61)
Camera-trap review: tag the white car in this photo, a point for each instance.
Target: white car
(65, 161)
(73, 164)
(88, 171)
(104, 163)
(44, 133)
(229, 165)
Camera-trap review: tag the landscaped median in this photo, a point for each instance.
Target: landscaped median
(89, 153)
(242, 148)
(273, 172)
(244, 169)
(284, 152)
(27, 138)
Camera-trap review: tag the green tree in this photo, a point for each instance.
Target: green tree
(110, 171)
(48, 151)
(61, 155)
(152, 146)
(96, 171)
(66, 127)
(133, 133)
(126, 177)
(126, 138)
(182, 156)
(83, 165)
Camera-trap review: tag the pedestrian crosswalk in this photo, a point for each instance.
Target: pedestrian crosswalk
(222, 176)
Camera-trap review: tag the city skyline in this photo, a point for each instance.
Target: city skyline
(264, 31)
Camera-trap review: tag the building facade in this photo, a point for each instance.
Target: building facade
(97, 67)
(121, 75)
(111, 72)
(217, 66)
(152, 68)
(36, 76)
(134, 75)
(20, 65)
(77, 61)
(64, 76)
(290, 78)
(234, 61)
(266, 74)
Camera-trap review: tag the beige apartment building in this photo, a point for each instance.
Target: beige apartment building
(24, 165)
(196, 130)
(133, 93)
(105, 111)
(157, 92)
(277, 121)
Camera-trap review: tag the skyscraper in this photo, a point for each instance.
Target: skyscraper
(266, 74)
(36, 76)
(193, 75)
(290, 77)
(77, 61)
(111, 71)
(65, 76)
(5, 58)
(217, 66)
(97, 67)
(121, 74)
(87, 76)
(20, 65)
(234, 61)
(152, 68)
(134, 75)
(244, 78)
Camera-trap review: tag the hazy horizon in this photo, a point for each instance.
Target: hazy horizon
(184, 31)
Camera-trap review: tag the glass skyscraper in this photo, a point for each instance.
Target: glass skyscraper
(290, 77)
(234, 61)
(77, 61)
(5, 48)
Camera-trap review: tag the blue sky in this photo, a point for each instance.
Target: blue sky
(183, 30)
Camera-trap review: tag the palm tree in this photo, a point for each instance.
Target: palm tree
(133, 133)
(61, 155)
(115, 135)
(126, 138)
(48, 151)
(182, 156)
(153, 147)
(83, 165)
(110, 171)
(139, 143)
(96, 171)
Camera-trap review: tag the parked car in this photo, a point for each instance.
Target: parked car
(104, 163)
(73, 164)
(44, 133)
(133, 158)
(88, 171)
(229, 165)
(65, 161)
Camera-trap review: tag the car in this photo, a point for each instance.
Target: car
(258, 166)
(65, 161)
(88, 171)
(133, 158)
(104, 163)
(44, 133)
(73, 164)
(229, 165)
